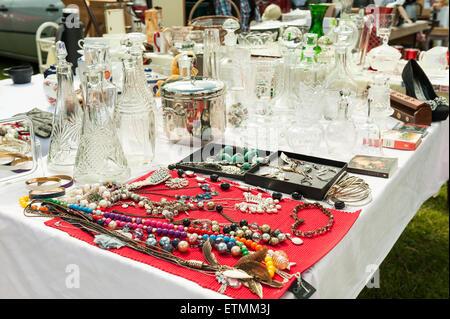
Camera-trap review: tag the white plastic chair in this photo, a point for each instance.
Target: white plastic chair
(44, 44)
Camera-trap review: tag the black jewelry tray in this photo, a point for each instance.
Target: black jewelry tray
(316, 191)
(212, 149)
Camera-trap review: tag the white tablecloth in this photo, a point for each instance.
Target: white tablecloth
(42, 262)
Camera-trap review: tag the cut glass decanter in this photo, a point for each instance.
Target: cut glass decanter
(67, 118)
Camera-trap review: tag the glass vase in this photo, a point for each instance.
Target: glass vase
(67, 118)
(317, 15)
(100, 156)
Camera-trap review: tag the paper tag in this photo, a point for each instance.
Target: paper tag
(301, 288)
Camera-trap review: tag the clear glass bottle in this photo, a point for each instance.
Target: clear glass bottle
(134, 119)
(135, 43)
(234, 68)
(340, 135)
(338, 80)
(100, 157)
(67, 118)
(97, 53)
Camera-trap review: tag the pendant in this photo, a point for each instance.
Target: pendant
(295, 240)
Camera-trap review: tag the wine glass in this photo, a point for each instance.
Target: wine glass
(384, 23)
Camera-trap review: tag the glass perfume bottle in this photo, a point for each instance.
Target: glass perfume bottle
(100, 156)
(67, 118)
(134, 119)
(340, 135)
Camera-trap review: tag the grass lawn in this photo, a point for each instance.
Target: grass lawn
(417, 266)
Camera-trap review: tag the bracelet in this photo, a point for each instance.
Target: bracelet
(41, 180)
(66, 178)
(299, 221)
(57, 192)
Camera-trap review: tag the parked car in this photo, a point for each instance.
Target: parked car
(19, 21)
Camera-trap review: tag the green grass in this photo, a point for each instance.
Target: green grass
(417, 266)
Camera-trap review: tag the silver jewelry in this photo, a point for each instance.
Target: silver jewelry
(175, 183)
(157, 177)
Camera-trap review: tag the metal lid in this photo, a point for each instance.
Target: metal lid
(195, 88)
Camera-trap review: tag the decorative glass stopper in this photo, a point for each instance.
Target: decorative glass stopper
(230, 25)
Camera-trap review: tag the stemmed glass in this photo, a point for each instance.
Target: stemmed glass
(384, 57)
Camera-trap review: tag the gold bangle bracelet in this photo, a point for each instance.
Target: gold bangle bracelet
(39, 181)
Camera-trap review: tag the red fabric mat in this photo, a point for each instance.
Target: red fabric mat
(305, 255)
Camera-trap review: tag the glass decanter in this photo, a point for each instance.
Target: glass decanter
(134, 119)
(340, 134)
(97, 54)
(340, 78)
(67, 117)
(100, 157)
(234, 68)
(135, 49)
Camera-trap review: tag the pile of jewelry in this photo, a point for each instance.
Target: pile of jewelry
(229, 161)
(349, 190)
